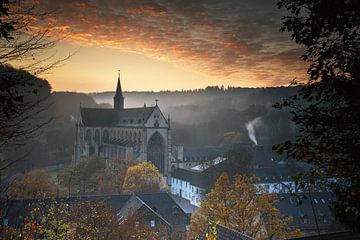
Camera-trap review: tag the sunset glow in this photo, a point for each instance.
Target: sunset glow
(160, 45)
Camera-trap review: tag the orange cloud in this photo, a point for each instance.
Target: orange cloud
(225, 39)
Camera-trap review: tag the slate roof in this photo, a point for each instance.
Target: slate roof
(277, 173)
(225, 233)
(166, 207)
(98, 116)
(196, 178)
(196, 154)
(185, 204)
(332, 236)
(274, 172)
(299, 207)
(104, 117)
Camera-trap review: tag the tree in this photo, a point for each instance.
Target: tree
(22, 95)
(82, 176)
(143, 177)
(238, 205)
(33, 185)
(327, 107)
(112, 179)
(93, 220)
(46, 220)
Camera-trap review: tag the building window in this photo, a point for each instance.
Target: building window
(152, 223)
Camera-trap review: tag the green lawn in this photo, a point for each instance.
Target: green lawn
(53, 174)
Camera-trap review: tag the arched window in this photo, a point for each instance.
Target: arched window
(105, 136)
(156, 151)
(97, 136)
(88, 136)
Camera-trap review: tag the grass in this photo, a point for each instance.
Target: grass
(53, 174)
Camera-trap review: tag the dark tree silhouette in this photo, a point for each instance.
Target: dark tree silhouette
(327, 108)
(22, 95)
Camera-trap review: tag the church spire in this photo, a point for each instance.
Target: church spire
(118, 87)
(118, 98)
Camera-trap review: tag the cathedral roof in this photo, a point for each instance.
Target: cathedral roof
(98, 116)
(135, 114)
(105, 117)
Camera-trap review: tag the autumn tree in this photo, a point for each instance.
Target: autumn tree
(326, 109)
(112, 179)
(81, 176)
(93, 220)
(46, 220)
(32, 185)
(238, 205)
(144, 177)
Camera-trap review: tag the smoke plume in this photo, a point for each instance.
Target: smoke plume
(250, 127)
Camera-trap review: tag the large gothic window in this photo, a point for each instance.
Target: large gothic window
(105, 136)
(156, 151)
(97, 136)
(88, 136)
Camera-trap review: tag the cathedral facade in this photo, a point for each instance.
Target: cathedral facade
(120, 133)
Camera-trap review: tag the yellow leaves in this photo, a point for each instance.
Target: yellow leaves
(237, 205)
(143, 177)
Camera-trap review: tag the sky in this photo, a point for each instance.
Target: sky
(170, 44)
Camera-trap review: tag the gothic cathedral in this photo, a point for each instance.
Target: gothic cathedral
(119, 133)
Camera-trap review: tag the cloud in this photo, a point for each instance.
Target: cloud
(231, 39)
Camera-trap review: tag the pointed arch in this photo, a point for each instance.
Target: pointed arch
(156, 151)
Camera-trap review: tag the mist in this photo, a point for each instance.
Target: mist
(250, 127)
